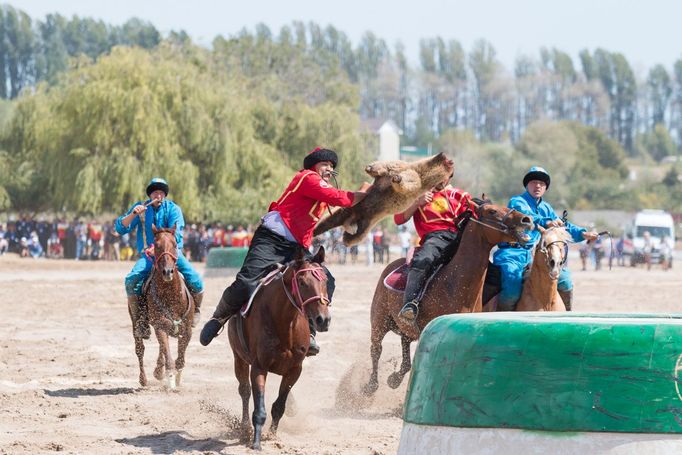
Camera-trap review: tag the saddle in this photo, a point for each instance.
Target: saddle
(397, 279)
(269, 275)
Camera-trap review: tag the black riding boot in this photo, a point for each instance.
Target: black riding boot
(415, 281)
(198, 298)
(567, 297)
(313, 348)
(227, 307)
(139, 317)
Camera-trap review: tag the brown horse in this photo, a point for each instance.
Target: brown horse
(456, 289)
(170, 307)
(540, 289)
(275, 336)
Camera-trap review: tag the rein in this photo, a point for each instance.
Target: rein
(294, 295)
(499, 225)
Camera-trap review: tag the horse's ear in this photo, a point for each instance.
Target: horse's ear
(154, 230)
(319, 256)
(483, 196)
(540, 228)
(174, 228)
(474, 204)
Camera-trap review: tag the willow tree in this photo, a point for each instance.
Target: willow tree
(90, 142)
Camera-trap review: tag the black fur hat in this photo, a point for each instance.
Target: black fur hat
(320, 154)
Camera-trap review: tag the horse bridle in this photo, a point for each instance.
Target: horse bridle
(165, 253)
(498, 225)
(544, 248)
(295, 295)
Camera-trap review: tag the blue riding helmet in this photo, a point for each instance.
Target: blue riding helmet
(536, 173)
(157, 183)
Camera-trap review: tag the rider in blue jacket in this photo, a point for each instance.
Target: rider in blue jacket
(163, 214)
(513, 258)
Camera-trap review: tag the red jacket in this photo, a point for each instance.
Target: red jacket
(305, 200)
(439, 214)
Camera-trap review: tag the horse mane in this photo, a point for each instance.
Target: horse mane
(162, 230)
(561, 232)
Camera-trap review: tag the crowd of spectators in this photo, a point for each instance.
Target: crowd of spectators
(93, 240)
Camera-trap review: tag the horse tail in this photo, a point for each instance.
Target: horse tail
(335, 219)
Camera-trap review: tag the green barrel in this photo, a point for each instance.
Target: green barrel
(220, 258)
(549, 371)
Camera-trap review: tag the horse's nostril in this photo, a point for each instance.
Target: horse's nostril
(525, 220)
(320, 321)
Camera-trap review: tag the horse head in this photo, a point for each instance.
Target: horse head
(165, 251)
(309, 288)
(501, 224)
(553, 248)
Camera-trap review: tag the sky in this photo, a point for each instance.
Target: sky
(647, 32)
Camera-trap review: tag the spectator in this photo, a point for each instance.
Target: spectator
(81, 236)
(4, 244)
(33, 245)
(405, 240)
(377, 245)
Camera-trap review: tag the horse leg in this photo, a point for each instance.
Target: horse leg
(285, 386)
(258, 377)
(396, 377)
(241, 371)
(170, 364)
(183, 341)
(160, 360)
(379, 331)
(139, 350)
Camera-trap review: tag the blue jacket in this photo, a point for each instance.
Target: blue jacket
(166, 216)
(542, 213)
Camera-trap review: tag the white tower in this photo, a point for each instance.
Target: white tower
(389, 141)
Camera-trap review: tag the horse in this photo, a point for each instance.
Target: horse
(171, 310)
(540, 289)
(456, 289)
(275, 336)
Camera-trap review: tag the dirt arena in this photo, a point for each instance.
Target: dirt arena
(68, 371)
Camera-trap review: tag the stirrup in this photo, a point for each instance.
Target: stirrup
(409, 311)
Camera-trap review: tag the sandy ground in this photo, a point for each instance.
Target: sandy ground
(68, 371)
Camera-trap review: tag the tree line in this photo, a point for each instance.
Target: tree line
(95, 110)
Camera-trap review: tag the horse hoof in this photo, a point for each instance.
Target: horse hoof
(370, 388)
(394, 380)
(255, 446)
(178, 377)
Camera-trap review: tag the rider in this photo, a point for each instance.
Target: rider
(286, 227)
(435, 214)
(513, 258)
(162, 213)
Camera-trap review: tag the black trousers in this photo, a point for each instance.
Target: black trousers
(437, 248)
(267, 249)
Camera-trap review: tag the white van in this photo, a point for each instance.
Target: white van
(659, 224)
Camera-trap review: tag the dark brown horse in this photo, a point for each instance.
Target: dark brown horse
(171, 310)
(275, 336)
(456, 289)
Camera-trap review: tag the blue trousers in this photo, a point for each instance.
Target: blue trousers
(135, 279)
(512, 263)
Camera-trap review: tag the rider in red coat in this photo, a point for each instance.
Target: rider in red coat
(287, 227)
(435, 214)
